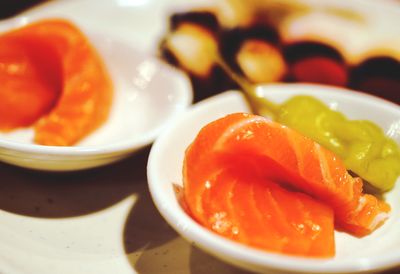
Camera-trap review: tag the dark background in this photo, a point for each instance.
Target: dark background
(9, 8)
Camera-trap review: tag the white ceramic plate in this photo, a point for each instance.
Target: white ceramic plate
(148, 94)
(377, 251)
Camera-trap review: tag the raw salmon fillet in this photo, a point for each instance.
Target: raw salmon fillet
(262, 214)
(233, 156)
(86, 89)
(30, 84)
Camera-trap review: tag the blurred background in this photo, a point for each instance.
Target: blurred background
(9, 8)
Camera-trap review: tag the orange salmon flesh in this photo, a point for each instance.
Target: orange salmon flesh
(54, 80)
(263, 184)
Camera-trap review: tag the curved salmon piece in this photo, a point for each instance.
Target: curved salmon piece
(228, 195)
(30, 84)
(301, 163)
(262, 214)
(271, 152)
(86, 93)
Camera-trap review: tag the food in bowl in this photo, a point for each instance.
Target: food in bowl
(256, 53)
(361, 144)
(265, 185)
(54, 80)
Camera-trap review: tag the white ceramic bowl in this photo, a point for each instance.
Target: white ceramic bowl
(378, 251)
(148, 94)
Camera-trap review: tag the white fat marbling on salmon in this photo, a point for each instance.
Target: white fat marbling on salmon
(205, 187)
(361, 204)
(379, 219)
(236, 128)
(323, 164)
(297, 152)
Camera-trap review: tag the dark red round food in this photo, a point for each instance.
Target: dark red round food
(316, 62)
(378, 75)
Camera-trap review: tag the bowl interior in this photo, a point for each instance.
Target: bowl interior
(376, 251)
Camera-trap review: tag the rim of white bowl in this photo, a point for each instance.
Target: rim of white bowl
(218, 245)
(350, 92)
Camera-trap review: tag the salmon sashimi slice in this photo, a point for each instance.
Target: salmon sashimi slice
(30, 84)
(86, 94)
(301, 163)
(262, 214)
(273, 152)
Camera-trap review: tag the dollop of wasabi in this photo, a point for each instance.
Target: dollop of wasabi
(362, 145)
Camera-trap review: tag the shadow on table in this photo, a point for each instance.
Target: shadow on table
(59, 195)
(152, 246)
